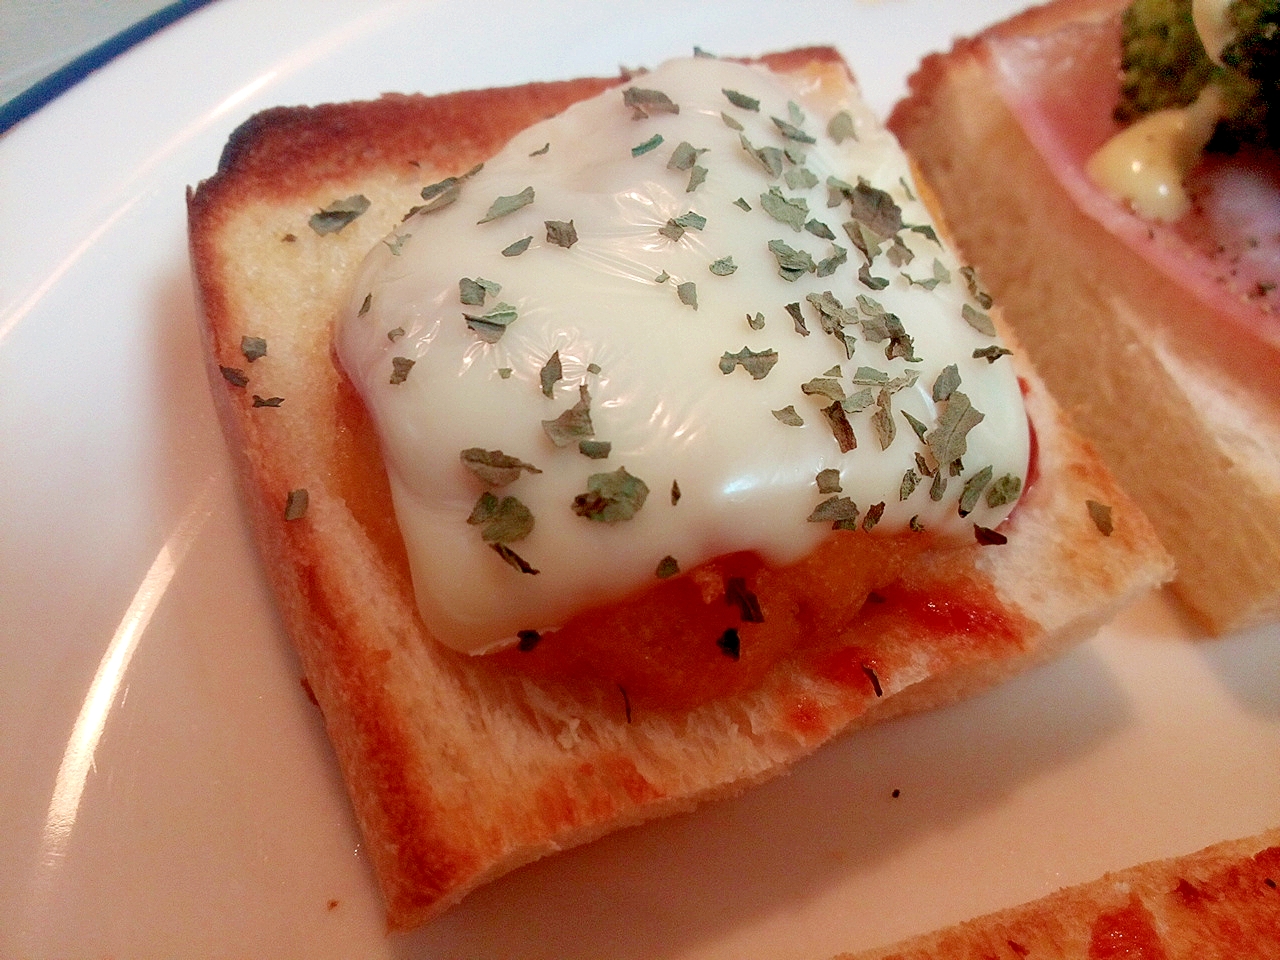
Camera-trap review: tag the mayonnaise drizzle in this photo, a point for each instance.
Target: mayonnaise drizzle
(747, 480)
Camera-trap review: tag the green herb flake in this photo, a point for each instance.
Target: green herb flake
(819, 229)
(697, 176)
(793, 212)
(490, 326)
(667, 568)
(876, 209)
(684, 156)
(799, 178)
(737, 594)
(947, 440)
(593, 368)
(828, 480)
(730, 644)
(675, 492)
(501, 521)
(992, 353)
(791, 131)
(768, 157)
(253, 348)
(504, 206)
(672, 231)
(740, 202)
(1004, 491)
(691, 221)
(505, 372)
(295, 504)
(573, 424)
(552, 371)
(756, 322)
(365, 304)
(910, 480)
(978, 320)
(723, 267)
(841, 128)
(742, 100)
(792, 264)
(841, 429)
(841, 512)
(640, 149)
(919, 428)
(873, 516)
(787, 416)
(688, 293)
(882, 420)
(797, 319)
(823, 387)
(857, 402)
(267, 401)
(541, 151)
(1100, 514)
(338, 214)
(663, 277)
(975, 289)
(561, 233)
(512, 558)
(731, 123)
(643, 102)
(947, 383)
(472, 292)
(757, 364)
(400, 367)
(517, 248)
(924, 230)
(973, 488)
(988, 537)
(829, 265)
(493, 467)
(611, 497)
(595, 449)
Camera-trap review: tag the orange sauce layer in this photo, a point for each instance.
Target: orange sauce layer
(853, 611)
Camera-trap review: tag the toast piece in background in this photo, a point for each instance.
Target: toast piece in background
(461, 768)
(1177, 385)
(1221, 903)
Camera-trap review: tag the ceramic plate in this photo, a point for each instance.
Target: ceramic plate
(166, 788)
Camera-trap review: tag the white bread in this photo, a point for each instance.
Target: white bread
(1184, 410)
(461, 769)
(1221, 903)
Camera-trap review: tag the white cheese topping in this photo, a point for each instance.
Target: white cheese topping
(642, 314)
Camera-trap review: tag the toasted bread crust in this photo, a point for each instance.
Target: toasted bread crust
(1081, 300)
(460, 771)
(1221, 903)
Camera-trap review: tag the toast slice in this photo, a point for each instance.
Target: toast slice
(461, 768)
(1176, 385)
(1221, 903)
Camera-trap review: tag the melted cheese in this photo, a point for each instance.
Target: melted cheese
(617, 307)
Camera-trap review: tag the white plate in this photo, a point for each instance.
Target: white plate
(165, 786)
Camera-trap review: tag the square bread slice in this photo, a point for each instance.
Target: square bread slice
(1220, 903)
(460, 770)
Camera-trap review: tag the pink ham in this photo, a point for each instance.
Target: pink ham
(1062, 84)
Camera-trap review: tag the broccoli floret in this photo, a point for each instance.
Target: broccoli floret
(1163, 62)
(1165, 65)
(1252, 61)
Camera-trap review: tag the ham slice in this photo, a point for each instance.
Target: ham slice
(1062, 84)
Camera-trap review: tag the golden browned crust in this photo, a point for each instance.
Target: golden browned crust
(460, 771)
(1191, 432)
(1222, 903)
